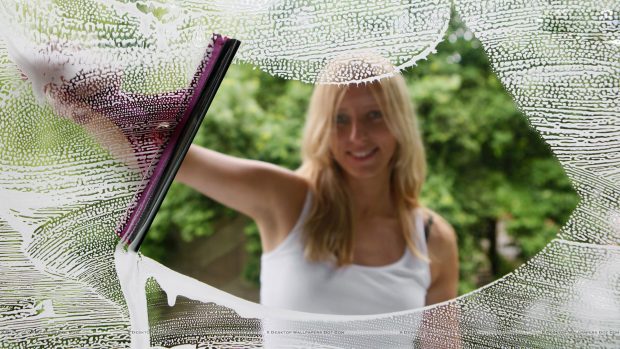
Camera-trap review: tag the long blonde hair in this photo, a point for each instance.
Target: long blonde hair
(328, 229)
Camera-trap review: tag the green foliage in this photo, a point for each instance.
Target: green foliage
(486, 164)
(253, 247)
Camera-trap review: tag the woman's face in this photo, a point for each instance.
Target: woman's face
(362, 144)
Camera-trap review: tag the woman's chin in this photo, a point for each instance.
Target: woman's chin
(363, 174)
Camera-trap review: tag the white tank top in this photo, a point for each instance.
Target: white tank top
(289, 281)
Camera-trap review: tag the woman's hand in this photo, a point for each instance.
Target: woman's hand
(73, 91)
(78, 102)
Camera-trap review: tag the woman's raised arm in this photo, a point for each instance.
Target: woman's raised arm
(271, 195)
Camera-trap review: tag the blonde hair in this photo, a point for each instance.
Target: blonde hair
(328, 229)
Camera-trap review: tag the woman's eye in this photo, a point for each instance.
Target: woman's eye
(375, 115)
(342, 119)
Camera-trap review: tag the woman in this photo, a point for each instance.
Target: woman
(333, 232)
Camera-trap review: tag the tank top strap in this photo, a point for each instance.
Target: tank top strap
(297, 228)
(420, 233)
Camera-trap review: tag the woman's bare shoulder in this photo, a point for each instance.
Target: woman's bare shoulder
(443, 255)
(441, 231)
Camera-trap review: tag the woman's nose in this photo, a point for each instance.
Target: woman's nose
(358, 131)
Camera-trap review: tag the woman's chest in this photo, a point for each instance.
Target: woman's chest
(378, 242)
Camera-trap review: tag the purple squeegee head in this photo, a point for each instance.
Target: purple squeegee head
(162, 134)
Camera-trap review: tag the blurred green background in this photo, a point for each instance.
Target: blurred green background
(489, 173)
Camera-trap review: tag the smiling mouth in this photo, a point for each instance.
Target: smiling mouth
(363, 155)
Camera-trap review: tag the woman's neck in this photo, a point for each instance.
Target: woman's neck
(371, 196)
